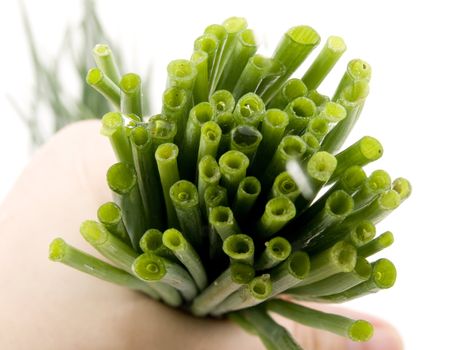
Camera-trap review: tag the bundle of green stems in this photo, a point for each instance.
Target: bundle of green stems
(237, 193)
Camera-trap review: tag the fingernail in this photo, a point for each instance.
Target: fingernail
(384, 338)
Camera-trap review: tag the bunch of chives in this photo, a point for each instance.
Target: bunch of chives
(237, 191)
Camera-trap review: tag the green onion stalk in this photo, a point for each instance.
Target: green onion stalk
(237, 191)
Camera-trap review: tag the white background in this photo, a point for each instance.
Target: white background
(416, 108)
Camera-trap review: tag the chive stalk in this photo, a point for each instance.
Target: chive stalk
(122, 180)
(233, 166)
(357, 69)
(105, 60)
(113, 126)
(247, 193)
(214, 196)
(175, 107)
(285, 185)
(110, 215)
(105, 86)
(246, 139)
(210, 44)
(201, 86)
(211, 134)
(151, 242)
(378, 182)
(319, 99)
(324, 62)
(362, 233)
(333, 112)
(185, 200)
(383, 276)
(277, 250)
(402, 187)
(183, 250)
(245, 47)
(166, 158)
(312, 145)
(318, 126)
(277, 213)
(227, 123)
(162, 130)
(220, 33)
(289, 273)
(356, 330)
(60, 251)
(222, 101)
(249, 110)
(152, 268)
(292, 89)
(227, 283)
(300, 111)
(130, 85)
(147, 175)
(334, 284)
(254, 293)
(223, 220)
(239, 248)
(182, 74)
(377, 244)
(208, 175)
(256, 70)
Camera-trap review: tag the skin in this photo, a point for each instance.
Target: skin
(46, 305)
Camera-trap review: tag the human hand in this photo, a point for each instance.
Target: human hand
(50, 306)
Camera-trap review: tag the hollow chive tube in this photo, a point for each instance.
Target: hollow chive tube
(254, 293)
(255, 71)
(403, 187)
(300, 111)
(60, 251)
(105, 60)
(245, 47)
(292, 50)
(228, 282)
(357, 69)
(105, 86)
(208, 174)
(222, 101)
(233, 166)
(152, 268)
(201, 85)
(364, 151)
(233, 26)
(319, 169)
(285, 185)
(383, 276)
(277, 213)
(130, 101)
(122, 180)
(377, 244)
(319, 99)
(277, 250)
(341, 257)
(151, 242)
(214, 196)
(181, 73)
(249, 110)
(246, 139)
(185, 200)
(318, 126)
(378, 182)
(183, 250)
(210, 138)
(334, 284)
(223, 221)
(110, 215)
(312, 145)
(289, 273)
(338, 206)
(162, 130)
(292, 89)
(113, 126)
(239, 248)
(272, 128)
(333, 112)
(227, 123)
(147, 176)
(221, 35)
(175, 108)
(362, 233)
(324, 62)
(166, 158)
(272, 335)
(292, 147)
(210, 44)
(247, 193)
(199, 114)
(350, 181)
(356, 330)
(374, 212)
(353, 98)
